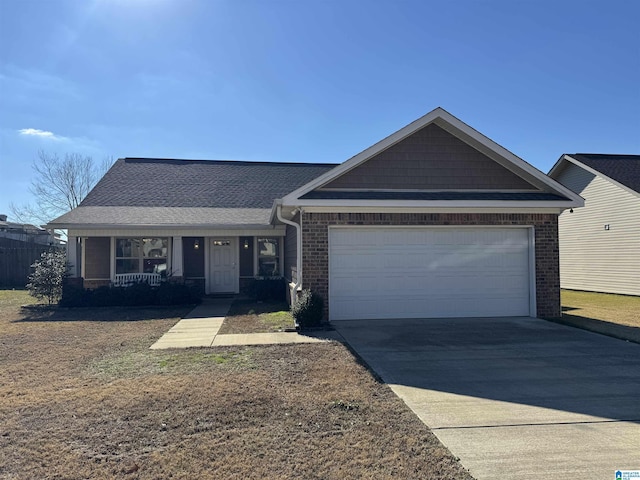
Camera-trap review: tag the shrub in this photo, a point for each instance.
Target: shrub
(73, 295)
(48, 276)
(308, 309)
(169, 293)
(135, 295)
(139, 294)
(269, 290)
(101, 297)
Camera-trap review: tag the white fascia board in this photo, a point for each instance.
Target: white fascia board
(593, 171)
(457, 204)
(278, 231)
(556, 166)
(448, 209)
(106, 226)
(191, 230)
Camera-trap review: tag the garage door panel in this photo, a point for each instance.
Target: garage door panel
(428, 272)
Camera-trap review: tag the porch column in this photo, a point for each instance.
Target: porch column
(176, 257)
(72, 256)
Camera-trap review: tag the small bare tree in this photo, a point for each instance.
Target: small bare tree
(59, 185)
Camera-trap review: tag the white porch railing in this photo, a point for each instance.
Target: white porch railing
(128, 279)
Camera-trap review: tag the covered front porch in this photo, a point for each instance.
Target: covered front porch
(216, 262)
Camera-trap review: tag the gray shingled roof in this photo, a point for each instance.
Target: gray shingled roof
(163, 192)
(364, 195)
(624, 169)
(143, 182)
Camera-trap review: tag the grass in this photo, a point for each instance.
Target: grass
(16, 298)
(613, 315)
(253, 317)
(618, 309)
(82, 396)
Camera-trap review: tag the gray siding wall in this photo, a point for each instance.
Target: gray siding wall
(592, 258)
(431, 158)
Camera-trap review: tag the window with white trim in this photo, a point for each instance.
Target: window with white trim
(141, 255)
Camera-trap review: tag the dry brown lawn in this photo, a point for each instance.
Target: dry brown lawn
(82, 396)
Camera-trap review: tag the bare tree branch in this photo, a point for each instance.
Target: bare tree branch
(59, 185)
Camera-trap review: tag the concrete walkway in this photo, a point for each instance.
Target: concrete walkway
(200, 329)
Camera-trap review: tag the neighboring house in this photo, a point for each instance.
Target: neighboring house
(435, 220)
(20, 246)
(600, 243)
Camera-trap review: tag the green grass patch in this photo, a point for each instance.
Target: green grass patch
(251, 307)
(247, 316)
(16, 298)
(620, 309)
(130, 364)
(277, 321)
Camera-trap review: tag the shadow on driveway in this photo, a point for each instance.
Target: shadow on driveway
(518, 360)
(514, 398)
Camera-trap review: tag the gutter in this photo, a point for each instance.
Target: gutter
(298, 248)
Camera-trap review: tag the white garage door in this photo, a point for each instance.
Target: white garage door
(430, 272)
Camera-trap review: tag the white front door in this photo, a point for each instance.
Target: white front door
(223, 269)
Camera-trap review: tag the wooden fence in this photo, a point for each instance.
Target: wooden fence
(16, 258)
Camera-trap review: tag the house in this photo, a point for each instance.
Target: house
(600, 243)
(20, 246)
(435, 220)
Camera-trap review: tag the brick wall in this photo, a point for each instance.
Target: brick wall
(315, 247)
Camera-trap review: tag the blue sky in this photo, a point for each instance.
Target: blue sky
(309, 81)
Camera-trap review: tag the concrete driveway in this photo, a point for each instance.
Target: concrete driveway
(515, 398)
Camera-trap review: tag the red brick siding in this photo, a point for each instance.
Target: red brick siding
(315, 247)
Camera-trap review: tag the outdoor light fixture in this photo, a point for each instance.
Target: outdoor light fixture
(246, 244)
(196, 244)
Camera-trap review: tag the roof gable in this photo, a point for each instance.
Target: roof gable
(488, 150)
(430, 158)
(623, 169)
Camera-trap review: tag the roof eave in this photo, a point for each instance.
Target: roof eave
(458, 204)
(568, 158)
(138, 226)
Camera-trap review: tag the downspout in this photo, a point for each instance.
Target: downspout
(299, 245)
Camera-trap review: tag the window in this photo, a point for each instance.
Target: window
(268, 257)
(141, 255)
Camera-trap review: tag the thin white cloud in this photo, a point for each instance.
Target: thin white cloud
(41, 134)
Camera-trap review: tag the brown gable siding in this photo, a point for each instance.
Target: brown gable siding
(431, 158)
